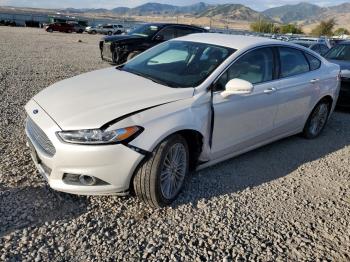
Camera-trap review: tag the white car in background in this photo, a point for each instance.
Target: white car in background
(109, 29)
(183, 105)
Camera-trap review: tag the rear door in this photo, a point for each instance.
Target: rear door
(298, 81)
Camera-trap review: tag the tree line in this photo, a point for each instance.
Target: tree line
(324, 28)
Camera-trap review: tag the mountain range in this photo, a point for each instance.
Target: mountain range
(302, 13)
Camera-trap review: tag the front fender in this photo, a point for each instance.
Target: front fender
(165, 120)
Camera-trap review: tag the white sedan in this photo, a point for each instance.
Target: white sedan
(183, 105)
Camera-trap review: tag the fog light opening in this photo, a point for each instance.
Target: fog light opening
(87, 180)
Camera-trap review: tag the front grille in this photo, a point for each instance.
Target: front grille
(39, 138)
(107, 50)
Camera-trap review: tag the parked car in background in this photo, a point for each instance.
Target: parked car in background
(79, 28)
(340, 54)
(323, 40)
(320, 48)
(60, 27)
(7, 23)
(183, 105)
(108, 29)
(119, 49)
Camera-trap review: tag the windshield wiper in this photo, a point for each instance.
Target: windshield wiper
(158, 81)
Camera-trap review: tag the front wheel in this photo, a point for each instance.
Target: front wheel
(160, 178)
(110, 33)
(317, 120)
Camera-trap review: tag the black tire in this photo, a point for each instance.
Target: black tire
(69, 31)
(115, 58)
(147, 180)
(50, 30)
(132, 55)
(110, 33)
(94, 32)
(312, 131)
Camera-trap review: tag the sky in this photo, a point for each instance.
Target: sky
(109, 4)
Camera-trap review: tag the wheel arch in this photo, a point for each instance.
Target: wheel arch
(194, 139)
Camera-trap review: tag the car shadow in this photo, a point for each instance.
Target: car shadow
(265, 164)
(34, 206)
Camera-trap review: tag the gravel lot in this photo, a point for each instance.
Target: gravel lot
(286, 201)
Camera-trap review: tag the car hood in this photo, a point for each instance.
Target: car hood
(117, 38)
(93, 99)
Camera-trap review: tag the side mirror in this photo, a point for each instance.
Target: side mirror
(237, 87)
(159, 38)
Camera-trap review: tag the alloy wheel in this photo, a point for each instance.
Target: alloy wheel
(319, 119)
(173, 171)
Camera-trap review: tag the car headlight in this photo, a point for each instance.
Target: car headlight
(100, 137)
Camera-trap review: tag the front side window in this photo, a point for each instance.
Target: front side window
(182, 31)
(293, 62)
(178, 63)
(255, 67)
(339, 52)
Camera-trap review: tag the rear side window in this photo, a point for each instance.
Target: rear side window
(182, 31)
(293, 62)
(314, 62)
(168, 33)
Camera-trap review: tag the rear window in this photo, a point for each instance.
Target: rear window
(314, 62)
(293, 62)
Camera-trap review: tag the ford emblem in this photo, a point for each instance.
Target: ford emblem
(35, 111)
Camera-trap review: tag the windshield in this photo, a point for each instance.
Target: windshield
(178, 63)
(339, 52)
(145, 30)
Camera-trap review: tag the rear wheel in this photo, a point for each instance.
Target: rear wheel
(317, 120)
(50, 30)
(69, 31)
(160, 178)
(94, 32)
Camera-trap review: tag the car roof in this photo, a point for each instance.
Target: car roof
(232, 41)
(303, 42)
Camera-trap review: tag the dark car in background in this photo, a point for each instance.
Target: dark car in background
(340, 54)
(60, 27)
(320, 48)
(121, 48)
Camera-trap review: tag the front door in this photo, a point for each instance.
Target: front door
(242, 121)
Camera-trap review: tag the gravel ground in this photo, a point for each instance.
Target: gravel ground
(286, 201)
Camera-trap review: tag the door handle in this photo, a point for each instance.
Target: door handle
(314, 81)
(270, 90)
